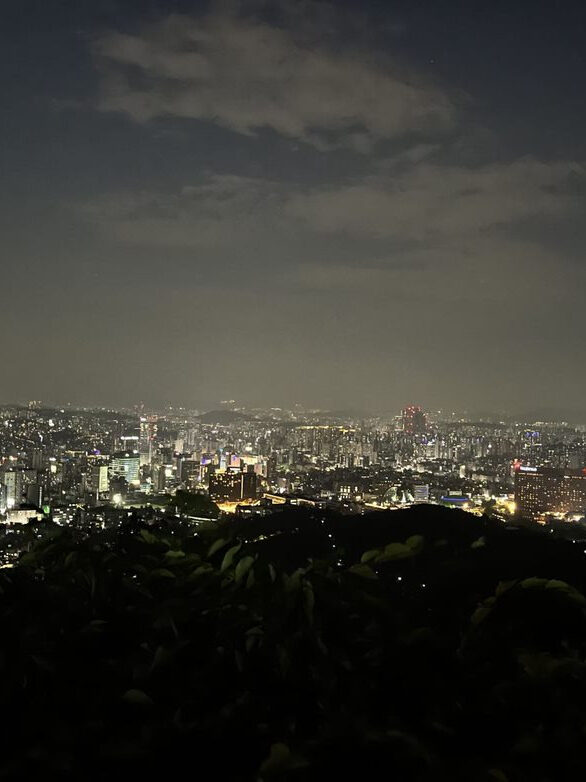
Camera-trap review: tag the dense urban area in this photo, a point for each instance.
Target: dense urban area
(92, 469)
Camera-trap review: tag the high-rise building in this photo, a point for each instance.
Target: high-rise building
(126, 465)
(147, 437)
(545, 490)
(34, 495)
(414, 420)
(129, 442)
(421, 492)
(12, 480)
(38, 459)
(189, 471)
(97, 478)
(233, 486)
(159, 478)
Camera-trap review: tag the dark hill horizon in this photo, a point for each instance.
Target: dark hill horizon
(426, 644)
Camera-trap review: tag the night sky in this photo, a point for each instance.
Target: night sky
(353, 205)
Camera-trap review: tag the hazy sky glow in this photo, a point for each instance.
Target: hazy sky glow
(277, 202)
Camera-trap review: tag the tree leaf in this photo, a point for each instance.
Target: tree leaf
(216, 546)
(242, 568)
(483, 610)
(162, 657)
(199, 571)
(530, 583)
(229, 557)
(308, 600)
(293, 582)
(162, 572)
(362, 570)
(174, 554)
(567, 589)
(251, 579)
(278, 759)
(415, 542)
(137, 697)
(504, 586)
(395, 551)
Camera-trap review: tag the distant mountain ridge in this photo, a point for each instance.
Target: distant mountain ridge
(223, 417)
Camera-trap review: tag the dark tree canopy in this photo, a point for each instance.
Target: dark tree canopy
(418, 645)
(194, 504)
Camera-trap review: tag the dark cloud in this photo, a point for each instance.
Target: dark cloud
(423, 216)
(245, 74)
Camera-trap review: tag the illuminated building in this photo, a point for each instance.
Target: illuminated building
(100, 478)
(421, 492)
(129, 442)
(455, 500)
(126, 465)
(189, 471)
(233, 486)
(22, 515)
(12, 480)
(414, 420)
(545, 490)
(252, 462)
(159, 478)
(97, 480)
(95, 477)
(38, 459)
(148, 434)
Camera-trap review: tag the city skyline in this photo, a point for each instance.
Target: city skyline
(207, 407)
(347, 206)
(89, 465)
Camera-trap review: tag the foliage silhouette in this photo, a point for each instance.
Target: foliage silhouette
(302, 646)
(193, 504)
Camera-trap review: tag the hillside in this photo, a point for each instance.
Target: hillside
(222, 417)
(419, 645)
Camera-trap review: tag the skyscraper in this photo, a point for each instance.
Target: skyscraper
(414, 420)
(97, 479)
(34, 495)
(544, 490)
(233, 486)
(147, 437)
(12, 480)
(126, 465)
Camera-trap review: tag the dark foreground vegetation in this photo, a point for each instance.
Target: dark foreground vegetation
(414, 645)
